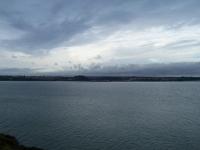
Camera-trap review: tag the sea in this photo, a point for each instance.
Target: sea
(102, 115)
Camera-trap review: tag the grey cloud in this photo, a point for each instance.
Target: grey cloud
(17, 71)
(56, 64)
(183, 44)
(171, 69)
(159, 69)
(98, 57)
(49, 36)
(14, 57)
(48, 24)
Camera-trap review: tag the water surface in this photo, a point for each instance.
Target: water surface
(102, 116)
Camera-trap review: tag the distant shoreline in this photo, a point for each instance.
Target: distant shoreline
(98, 78)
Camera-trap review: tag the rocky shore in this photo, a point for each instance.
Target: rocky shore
(8, 142)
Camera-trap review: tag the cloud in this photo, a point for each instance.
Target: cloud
(154, 69)
(46, 35)
(16, 71)
(48, 24)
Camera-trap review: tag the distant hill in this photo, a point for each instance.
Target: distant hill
(97, 78)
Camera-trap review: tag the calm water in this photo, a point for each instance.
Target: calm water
(102, 116)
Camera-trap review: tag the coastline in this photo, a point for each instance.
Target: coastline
(100, 78)
(8, 142)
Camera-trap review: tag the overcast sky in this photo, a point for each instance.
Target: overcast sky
(148, 37)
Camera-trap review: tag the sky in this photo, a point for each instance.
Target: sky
(100, 37)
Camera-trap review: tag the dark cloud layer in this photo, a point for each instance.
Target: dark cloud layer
(172, 69)
(16, 71)
(46, 24)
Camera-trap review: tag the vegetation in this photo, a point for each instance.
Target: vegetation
(8, 142)
(96, 78)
